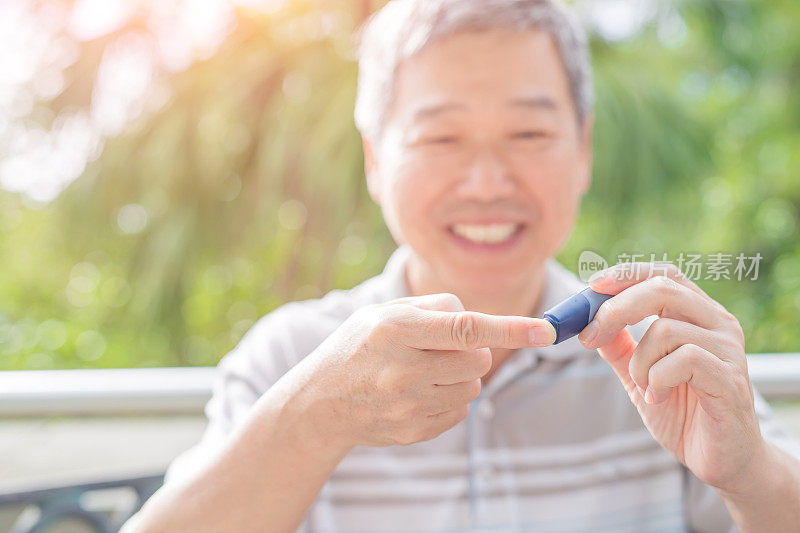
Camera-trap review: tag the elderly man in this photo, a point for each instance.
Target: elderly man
(427, 398)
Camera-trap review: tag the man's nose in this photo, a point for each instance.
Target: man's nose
(487, 178)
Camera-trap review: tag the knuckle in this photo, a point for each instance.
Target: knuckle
(398, 313)
(675, 273)
(692, 355)
(388, 325)
(732, 344)
(735, 326)
(663, 328)
(451, 301)
(741, 383)
(696, 357)
(667, 286)
(506, 333)
(464, 329)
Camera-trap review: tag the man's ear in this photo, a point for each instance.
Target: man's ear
(585, 178)
(371, 171)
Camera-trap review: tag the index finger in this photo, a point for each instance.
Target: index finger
(470, 330)
(619, 277)
(655, 296)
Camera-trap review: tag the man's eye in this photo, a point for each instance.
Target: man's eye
(529, 134)
(441, 139)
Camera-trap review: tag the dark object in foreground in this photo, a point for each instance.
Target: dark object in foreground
(98, 507)
(570, 316)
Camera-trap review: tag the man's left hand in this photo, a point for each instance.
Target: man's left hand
(688, 376)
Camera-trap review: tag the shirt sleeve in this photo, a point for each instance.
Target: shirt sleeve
(706, 512)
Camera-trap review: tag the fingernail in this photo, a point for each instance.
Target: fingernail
(589, 333)
(542, 334)
(648, 395)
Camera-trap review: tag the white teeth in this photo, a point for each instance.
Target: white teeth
(485, 233)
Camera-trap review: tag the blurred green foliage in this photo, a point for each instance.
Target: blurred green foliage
(245, 189)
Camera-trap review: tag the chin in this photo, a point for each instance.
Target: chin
(488, 280)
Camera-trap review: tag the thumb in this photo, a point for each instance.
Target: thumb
(618, 353)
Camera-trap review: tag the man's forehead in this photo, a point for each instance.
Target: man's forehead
(506, 68)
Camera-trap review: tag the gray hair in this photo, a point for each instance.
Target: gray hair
(404, 27)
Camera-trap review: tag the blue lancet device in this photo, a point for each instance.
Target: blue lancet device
(570, 316)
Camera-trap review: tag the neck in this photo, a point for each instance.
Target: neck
(521, 299)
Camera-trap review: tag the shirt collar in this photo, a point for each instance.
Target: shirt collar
(394, 273)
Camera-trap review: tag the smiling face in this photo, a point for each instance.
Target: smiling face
(482, 161)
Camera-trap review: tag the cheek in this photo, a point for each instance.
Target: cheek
(412, 196)
(557, 173)
(554, 182)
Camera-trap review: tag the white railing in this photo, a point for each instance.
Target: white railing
(186, 390)
(105, 391)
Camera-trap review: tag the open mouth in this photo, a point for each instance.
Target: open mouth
(486, 235)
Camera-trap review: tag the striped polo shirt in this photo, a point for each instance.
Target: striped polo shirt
(553, 443)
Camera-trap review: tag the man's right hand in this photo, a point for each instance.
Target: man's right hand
(394, 373)
(406, 371)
